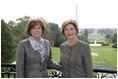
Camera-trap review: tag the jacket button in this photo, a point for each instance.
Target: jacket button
(67, 66)
(40, 63)
(68, 72)
(67, 59)
(68, 53)
(70, 47)
(40, 70)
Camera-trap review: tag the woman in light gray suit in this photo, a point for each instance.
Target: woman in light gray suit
(34, 53)
(75, 54)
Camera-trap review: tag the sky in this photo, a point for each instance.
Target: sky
(88, 13)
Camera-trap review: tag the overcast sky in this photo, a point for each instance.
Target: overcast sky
(91, 13)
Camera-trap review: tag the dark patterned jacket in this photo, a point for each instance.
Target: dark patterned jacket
(29, 62)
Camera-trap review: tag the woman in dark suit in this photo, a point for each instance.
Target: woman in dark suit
(34, 53)
(75, 54)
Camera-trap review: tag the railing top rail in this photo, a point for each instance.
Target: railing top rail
(8, 65)
(105, 70)
(95, 70)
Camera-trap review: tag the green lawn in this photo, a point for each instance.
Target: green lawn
(56, 54)
(96, 37)
(106, 53)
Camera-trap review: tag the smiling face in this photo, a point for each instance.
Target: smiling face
(70, 31)
(36, 31)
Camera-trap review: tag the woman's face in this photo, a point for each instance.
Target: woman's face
(36, 31)
(70, 31)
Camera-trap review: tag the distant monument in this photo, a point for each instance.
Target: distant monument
(95, 44)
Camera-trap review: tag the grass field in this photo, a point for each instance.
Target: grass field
(93, 37)
(56, 53)
(106, 53)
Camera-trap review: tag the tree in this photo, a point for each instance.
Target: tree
(47, 33)
(19, 30)
(114, 40)
(86, 33)
(83, 36)
(8, 46)
(108, 38)
(56, 34)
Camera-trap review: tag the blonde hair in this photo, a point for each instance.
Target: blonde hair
(67, 22)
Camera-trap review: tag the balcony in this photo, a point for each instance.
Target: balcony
(9, 71)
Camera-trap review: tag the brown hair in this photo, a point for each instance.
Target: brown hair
(67, 22)
(35, 22)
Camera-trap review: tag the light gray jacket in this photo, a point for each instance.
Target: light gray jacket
(28, 61)
(76, 60)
